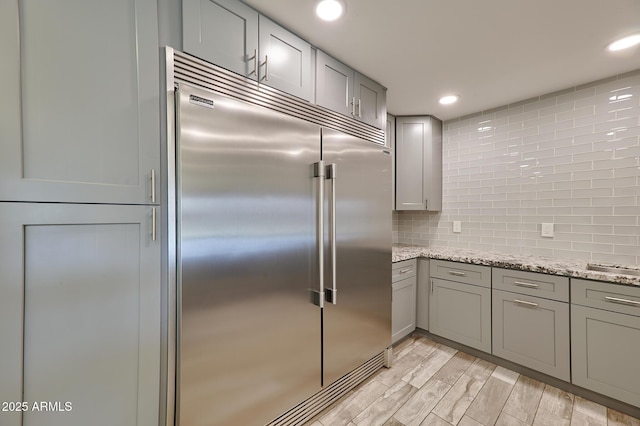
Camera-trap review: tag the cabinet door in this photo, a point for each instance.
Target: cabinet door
(79, 112)
(424, 287)
(532, 331)
(604, 353)
(461, 312)
(285, 60)
(403, 318)
(371, 100)
(334, 84)
(390, 142)
(224, 32)
(79, 313)
(418, 163)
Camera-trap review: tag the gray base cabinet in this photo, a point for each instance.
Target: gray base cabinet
(605, 339)
(532, 331)
(403, 306)
(531, 320)
(79, 111)
(80, 313)
(461, 310)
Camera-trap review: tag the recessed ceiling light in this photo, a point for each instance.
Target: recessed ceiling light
(624, 43)
(449, 99)
(329, 10)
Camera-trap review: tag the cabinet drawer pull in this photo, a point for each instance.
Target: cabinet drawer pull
(523, 284)
(622, 301)
(404, 271)
(524, 302)
(458, 274)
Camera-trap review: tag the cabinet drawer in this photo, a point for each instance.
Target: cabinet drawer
(533, 284)
(402, 270)
(611, 297)
(461, 272)
(532, 331)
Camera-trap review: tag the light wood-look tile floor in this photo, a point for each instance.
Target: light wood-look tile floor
(432, 384)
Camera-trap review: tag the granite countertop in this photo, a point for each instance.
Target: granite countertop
(568, 268)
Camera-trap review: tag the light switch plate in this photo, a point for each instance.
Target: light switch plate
(547, 230)
(457, 226)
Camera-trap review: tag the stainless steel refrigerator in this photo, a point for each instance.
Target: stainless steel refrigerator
(283, 258)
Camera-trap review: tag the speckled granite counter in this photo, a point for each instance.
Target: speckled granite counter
(569, 268)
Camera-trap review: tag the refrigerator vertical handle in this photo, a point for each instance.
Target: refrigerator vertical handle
(319, 173)
(332, 292)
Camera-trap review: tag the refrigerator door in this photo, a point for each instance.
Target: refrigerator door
(249, 337)
(358, 326)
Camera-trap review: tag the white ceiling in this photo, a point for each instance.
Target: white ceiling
(490, 52)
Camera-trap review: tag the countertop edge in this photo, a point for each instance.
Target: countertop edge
(567, 268)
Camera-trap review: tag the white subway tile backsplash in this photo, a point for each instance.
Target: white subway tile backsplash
(571, 158)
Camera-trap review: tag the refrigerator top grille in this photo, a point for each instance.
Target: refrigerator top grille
(196, 72)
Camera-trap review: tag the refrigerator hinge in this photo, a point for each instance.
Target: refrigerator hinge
(317, 298)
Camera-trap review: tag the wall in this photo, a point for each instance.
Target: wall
(570, 157)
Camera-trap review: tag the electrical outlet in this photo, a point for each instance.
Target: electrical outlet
(547, 230)
(457, 226)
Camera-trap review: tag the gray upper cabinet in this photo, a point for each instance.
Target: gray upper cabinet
(80, 303)
(79, 112)
(418, 154)
(234, 36)
(334, 84)
(224, 32)
(344, 90)
(371, 101)
(284, 60)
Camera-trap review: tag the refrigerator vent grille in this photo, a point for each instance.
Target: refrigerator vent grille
(196, 72)
(305, 411)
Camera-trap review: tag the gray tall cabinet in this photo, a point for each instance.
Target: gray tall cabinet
(80, 287)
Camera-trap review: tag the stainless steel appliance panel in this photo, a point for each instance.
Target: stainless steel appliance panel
(249, 337)
(358, 325)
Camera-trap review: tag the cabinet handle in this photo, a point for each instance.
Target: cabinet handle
(359, 108)
(404, 271)
(458, 274)
(426, 203)
(353, 106)
(523, 284)
(255, 62)
(524, 302)
(622, 301)
(266, 68)
(153, 186)
(431, 286)
(153, 224)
